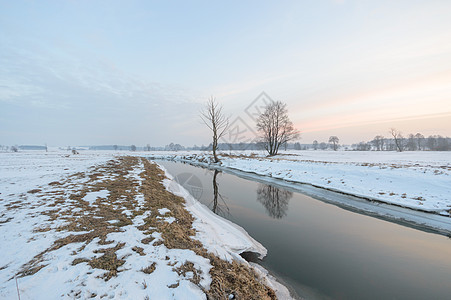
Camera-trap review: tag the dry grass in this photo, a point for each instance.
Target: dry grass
(108, 261)
(139, 250)
(189, 267)
(6, 221)
(150, 268)
(228, 278)
(90, 218)
(34, 191)
(173, 286)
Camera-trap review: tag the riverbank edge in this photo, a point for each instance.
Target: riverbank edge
(82, 189)
(199, 210)
(424, 220)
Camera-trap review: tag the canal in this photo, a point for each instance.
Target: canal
(320, 250)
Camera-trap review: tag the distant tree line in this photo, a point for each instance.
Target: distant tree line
(396, 142)
(332, 144)
(413, 142)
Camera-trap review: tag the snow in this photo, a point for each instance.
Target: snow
(24, 171)
(22, 212)
(220, 236)
(163, 211)
(416, 180)
(281, 291)
(412, 187)
(91, 197)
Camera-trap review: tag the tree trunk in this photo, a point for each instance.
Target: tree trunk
(215, 192)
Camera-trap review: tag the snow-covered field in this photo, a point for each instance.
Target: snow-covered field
(40, 196)
(416, 180)
(60, 230)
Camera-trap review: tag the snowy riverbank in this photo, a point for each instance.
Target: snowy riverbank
(411, 188)
(419, 180)
(97, 225)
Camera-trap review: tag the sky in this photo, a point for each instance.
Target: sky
(138, 72)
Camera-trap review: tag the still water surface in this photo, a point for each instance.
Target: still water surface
(320, 250)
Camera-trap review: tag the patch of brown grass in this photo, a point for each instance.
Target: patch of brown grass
(147, 240)
(149, 269)
(14, 205)
(6, 221)
(228, 278)
(235, 279)
(93, 219)
(34, 191)
(189, 267)
(42, 229)
(108, 261)
(79, 261)
(139, 250)
(31, 270)
(174, 285)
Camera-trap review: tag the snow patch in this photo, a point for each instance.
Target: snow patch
(91, 197)
(163, 211)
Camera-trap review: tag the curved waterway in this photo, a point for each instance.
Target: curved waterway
(322, 251)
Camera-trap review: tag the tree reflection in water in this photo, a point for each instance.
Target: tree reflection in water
(274, 200)
(218, 208)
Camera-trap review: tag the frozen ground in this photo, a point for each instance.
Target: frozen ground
(64, 203)
(416, 180)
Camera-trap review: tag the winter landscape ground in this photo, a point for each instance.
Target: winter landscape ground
(225, 149)
(99, 225)
(114, 225)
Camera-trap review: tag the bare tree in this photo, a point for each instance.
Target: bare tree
(411, 143)
(334, 140)
(362, 146)
(442, 143)
(420, 139)
(431, 142)
(178, 147)
(315, 145)
(397, 136)
(379, 142)
(133, 148)
(216, 121)
(275, 127)
(115, 147)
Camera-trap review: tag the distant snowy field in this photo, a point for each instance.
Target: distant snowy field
(23, 211)
(418, 180)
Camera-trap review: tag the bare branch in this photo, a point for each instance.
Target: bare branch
(216, 121)
(275, 127)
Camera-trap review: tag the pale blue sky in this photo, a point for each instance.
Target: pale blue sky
(136, 72)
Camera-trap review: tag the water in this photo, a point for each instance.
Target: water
(323, 251)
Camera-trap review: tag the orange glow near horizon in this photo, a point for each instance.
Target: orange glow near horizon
(419, 102)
